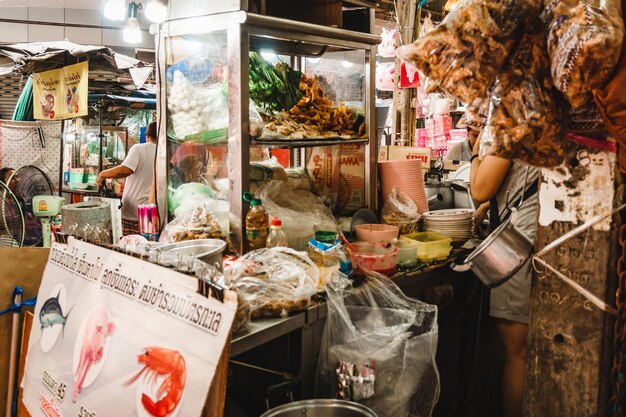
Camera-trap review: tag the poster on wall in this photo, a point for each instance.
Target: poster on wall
(117, 336)
(61, 93)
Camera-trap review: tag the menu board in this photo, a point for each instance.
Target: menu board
(117, 336)
(61, 93)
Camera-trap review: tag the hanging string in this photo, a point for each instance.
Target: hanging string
(18, 291)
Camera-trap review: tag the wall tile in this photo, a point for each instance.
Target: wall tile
(112, 37)
(13, 32)
(44, 33)
(46, 14)
(85, 36)
(83, 16)
(20, 13)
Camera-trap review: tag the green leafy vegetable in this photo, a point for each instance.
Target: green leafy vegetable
(273, 88)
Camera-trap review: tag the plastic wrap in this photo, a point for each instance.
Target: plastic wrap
(584, 42)
(465, 52)
(525, 113)
(611, 100)
(300, 211)
(195, 222)
(391, 340)
(267, 170)
(274, 281)
(387, 46)
(400, 210)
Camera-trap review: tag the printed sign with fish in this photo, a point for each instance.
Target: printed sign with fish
(110, 326)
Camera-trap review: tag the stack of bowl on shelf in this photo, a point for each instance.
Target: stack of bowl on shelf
(454, 223)
(404, 175)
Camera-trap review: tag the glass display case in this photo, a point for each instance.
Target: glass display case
(90, 149)
(240, 87)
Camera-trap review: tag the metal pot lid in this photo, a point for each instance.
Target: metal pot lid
(321, 405)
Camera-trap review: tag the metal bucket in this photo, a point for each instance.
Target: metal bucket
(499, 256)
(321, 408)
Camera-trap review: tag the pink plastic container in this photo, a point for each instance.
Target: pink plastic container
(375, 256)
(376, 232)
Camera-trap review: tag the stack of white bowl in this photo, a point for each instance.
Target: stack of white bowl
(454, 223)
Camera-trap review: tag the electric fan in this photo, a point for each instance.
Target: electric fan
(12, 227)
(27, 182)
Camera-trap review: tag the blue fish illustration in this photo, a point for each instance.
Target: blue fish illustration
(51, 313)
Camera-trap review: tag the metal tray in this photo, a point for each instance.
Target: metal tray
(208, 251)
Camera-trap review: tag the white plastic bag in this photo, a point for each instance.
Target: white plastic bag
(389, 339)
(300, 211)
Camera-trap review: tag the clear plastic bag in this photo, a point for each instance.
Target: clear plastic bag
(525, 114)
(299, 210)
(195, 222)
(389, 338)
(400, 210)
(584, 42)
(465, 52)
(274, 281)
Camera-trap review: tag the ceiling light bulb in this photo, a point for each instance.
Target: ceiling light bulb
(115, 10)
(156, 11)
(132, 32)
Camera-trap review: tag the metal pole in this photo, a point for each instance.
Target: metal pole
(13, 356)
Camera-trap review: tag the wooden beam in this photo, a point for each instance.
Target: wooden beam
(403, 125)
(569, 342)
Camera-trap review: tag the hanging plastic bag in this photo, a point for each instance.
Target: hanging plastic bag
(385, 76)
(274, 281)
(300, 211)
(465, 52)
(525, 115)
(400, 210)
(388, 44)
(379, 348)
(584, 42)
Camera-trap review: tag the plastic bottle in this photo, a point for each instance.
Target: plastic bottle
(276, 237)
(257, 225)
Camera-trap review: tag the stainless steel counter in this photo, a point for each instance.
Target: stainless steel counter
(258, 332)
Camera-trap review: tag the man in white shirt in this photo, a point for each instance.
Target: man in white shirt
(138, 169)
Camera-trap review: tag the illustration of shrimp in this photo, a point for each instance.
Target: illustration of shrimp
(160, 361)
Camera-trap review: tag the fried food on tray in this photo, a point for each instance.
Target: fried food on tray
(314, 116)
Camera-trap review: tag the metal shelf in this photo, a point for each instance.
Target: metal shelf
(305, 143)
(258, 332)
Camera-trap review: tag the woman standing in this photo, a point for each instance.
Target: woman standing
(504, 183)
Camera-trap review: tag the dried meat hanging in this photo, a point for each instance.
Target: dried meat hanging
(525, 110)
(584, 41)
(465, 53)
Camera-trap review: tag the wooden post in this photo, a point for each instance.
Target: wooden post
(569, 350)
(403, 124)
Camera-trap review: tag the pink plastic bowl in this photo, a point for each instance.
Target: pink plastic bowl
(375, 256)
(376, 232)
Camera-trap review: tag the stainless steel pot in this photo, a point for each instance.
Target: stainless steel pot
(499, 256)
(320, 408)
(462, 195)
(447, 196)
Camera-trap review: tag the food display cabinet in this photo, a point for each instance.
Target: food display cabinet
(211, 127)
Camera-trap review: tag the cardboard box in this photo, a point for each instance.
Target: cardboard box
(408, 152)
(352, 179)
